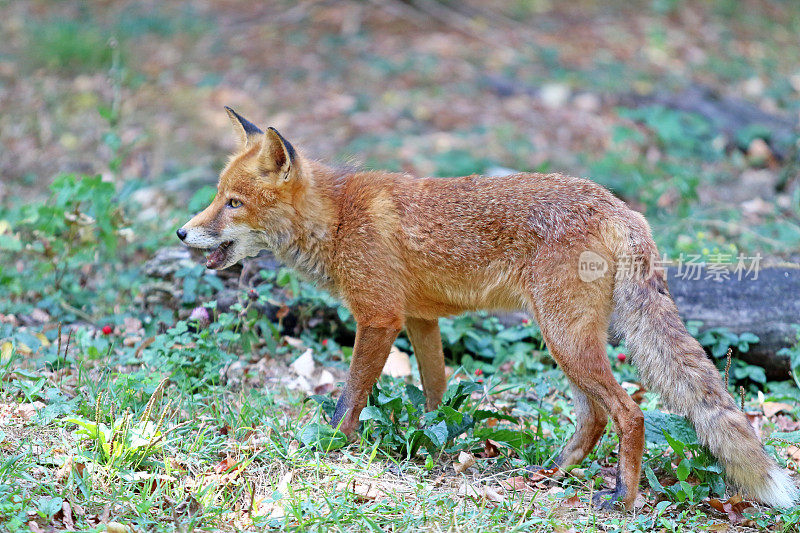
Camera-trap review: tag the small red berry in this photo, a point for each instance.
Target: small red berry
(107, 330)
(621, 357)
(479, 372)
(324, 342)
(525, 322)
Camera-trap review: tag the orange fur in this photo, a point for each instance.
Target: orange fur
(404, 251)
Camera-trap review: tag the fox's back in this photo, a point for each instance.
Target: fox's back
(462, 242)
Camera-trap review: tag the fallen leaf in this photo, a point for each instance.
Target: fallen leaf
(325, 384)
(304, 365)
(517, 484)
(130, 342)
(490, 449)
(273, 509)
(116, 527)
(24, 349)
(480, 492)
(733, 508)
(63, 472)
(363, 491)
(133, 326)
(785, 423)
(573, 501)
(398, 364)
(40, 315)
(27, 410)
(283, 484)
(294, 342)
(794, 453)
(773, 408)
(5, 351)
(465, 460)
(66, 512)
(757, 422)
(225, 465)
(543, 473)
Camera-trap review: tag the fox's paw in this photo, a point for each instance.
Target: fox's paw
(609, 500)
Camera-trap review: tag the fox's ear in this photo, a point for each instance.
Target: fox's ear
(278, 153)
(244, 129)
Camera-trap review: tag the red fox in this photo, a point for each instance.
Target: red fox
(402, 251)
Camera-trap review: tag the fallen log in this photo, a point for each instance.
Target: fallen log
(767, 306)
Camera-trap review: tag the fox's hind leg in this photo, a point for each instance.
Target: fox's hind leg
(427, 342)
(591, 424)
(573, 315)
(583, 359)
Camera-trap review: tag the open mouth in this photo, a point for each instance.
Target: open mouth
(219, 255)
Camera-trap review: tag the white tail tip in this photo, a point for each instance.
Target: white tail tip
(780, 491)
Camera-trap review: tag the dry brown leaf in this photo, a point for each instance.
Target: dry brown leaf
(27, 410)
(573, 501)
(273, 509)
(64, 470)
(757, 422)
(282, 313)
(733, 508)
(490, 449)
(225, 465)
(362, 490)
(543, 473)
(517, 484)
(106, 513)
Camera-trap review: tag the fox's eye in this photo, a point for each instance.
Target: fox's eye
(234, 203)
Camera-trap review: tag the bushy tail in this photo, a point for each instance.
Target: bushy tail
(672, 362)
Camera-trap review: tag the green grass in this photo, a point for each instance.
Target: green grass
(224, 456)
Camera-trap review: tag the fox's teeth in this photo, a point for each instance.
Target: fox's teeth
(219, 255)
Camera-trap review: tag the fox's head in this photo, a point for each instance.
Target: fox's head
(255, 195)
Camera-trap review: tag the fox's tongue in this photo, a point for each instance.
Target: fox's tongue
(218, 257)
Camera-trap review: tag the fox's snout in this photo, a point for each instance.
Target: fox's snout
(181, 234)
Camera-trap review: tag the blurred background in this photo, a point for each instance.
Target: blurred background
(687, 109)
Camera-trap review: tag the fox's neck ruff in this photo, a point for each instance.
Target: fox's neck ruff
(303, 243)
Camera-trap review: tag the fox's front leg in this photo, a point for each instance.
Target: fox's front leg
(369, 356)
(427, 342)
